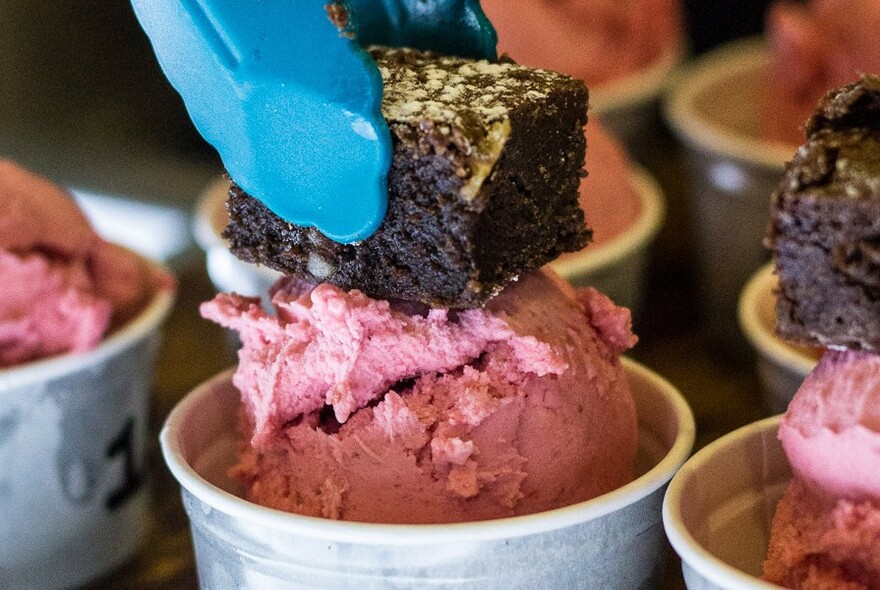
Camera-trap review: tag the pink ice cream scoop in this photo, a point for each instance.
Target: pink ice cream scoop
(380, 411)
(814, 47)
(826, 531)
(598, 41)
(63, 287)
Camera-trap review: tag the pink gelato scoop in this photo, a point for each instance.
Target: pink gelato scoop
(826, 532)
(598, 41)
(63, 286)
(379, 411)
(814, 47)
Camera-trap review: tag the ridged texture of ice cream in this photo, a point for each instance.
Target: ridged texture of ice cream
(597, 41)
(63, 287)
(814, 47)
(373, 411)
(826, 531)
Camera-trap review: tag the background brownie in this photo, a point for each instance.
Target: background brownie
(826, 225)
(483, 186)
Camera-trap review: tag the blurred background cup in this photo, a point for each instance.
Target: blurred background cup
(613, 541)
(731, 174)
(719, 506)
(781, 366)
(629, 106)
(617, 267)
(73, 440)
(227, 273)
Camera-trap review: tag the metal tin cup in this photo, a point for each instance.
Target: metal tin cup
(73, 435)
(614, 541)
(719, 507)
(628, 106)
(782, 366)
(617, 267)
(713, 109)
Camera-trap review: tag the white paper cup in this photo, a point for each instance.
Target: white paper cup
(73, 436)
(713, 109)
(227, 273)
(781, 366)
(719, 507)
(617, 267)
(628, 106)
(614, 541)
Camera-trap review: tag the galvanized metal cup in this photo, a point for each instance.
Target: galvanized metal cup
(629, 106)
(615, 541)
(73, 435)
(782, 366)
(719, 507)
(713, 109)
(617, 267)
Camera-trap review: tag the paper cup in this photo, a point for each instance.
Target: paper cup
(713, 109)
(617, 267)
(719, 506)
(614, 541)
(629, 106)
(781, 366)
(73, 436)
(227, 273)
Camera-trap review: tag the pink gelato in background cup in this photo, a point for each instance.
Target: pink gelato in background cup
(714, 110)
(79, 329)
(613, 541)
(814, 46)
(782, 366)
(624, 51)
(625, 207)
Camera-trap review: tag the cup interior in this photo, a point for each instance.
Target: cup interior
(719, 507)
(713, 105)
(199, 444)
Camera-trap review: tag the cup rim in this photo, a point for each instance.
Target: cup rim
(641, 86)
(698, 77)
(47, 369)
(693, 553)
(765, 341)
(635, 238)
(421, 534)
(203, 232)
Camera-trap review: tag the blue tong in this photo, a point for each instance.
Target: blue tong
(287, 95)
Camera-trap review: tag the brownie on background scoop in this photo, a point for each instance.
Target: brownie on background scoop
(825, 231)
(483, 186)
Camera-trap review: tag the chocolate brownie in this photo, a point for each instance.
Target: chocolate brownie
(483, 186)
(825, 230)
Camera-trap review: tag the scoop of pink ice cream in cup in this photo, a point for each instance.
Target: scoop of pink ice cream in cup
(79, 329)
(795, 498)
(382, 444)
